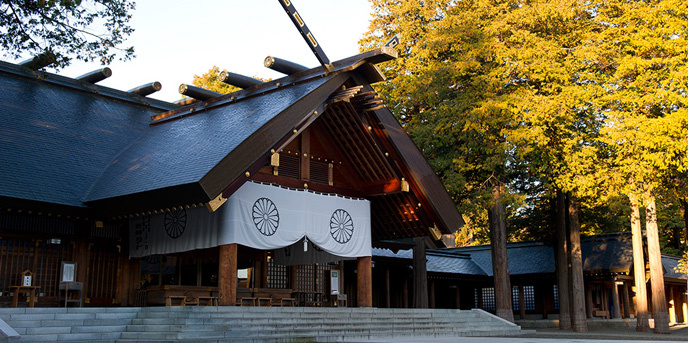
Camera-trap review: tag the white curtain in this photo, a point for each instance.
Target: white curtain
(260, 216)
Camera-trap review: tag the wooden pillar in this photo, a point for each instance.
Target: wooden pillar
(659, 305)
(588, 300)
(458, 298)
(641, 315)
(672, 305)
(293, 271)
(578, 320)
(626, 301)
(227, 274)
(365, 282)
(420, 275)
(405, 293)
(264, 270)
(521, 302)
(615, 300)
(431, 292)
(684, 306)
(82, 255)
(388, 302)
(605, 300)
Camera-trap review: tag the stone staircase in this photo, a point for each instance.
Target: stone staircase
(247, 324)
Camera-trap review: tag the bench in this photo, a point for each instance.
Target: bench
(274, 296)
(183, 300)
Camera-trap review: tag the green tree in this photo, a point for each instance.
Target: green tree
(63, 30)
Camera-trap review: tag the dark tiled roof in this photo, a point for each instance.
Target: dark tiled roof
(608, 253)
(524, 257)
(670, 264)
(438, 262)
(183, 151)
(56, 140)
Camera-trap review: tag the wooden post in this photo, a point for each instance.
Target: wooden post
(626, 301)
(588, 301)
(615, 299)
(578, 321)
(420, 275)
(432, 294)
(684, 306)
(672, 306)
(305, 168)
(605, 301)
(659, 305)
(82, 256)
(227, 274)
(405, 293)
(562, 269)
(365, 281)
(293, 271)
(387, 289)
(521, 302)
(641, 315)
(458, 297)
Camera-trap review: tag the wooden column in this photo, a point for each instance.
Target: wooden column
(227, 274)
(684, 307)
(387, 289)
(431, 292)
(659, 305)
(626, 301)
(615, 300)
(578, 319)
(521, 302)
(588, 300)
(292, 278)
(420, 275)
(405, 293)
(82, 254)
(605, 300)
(365, 281)
(672, 306)
(458, 297)
(305, 169)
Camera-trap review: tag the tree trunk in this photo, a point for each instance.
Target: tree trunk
(420, 274)
(579, 322)
(500, 260)
(659, 305)
(562, 264)
(641, 314)
(684, 213)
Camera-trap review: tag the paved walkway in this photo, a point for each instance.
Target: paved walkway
(679, 333)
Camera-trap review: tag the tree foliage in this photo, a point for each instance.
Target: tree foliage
(63, 30)
(586, 97)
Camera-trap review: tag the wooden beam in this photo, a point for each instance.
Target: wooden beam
(227, 274)
(365, 282)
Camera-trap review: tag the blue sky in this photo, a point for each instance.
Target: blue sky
(174, 39)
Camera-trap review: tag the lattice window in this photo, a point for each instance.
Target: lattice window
(515, 298)
(528, 298)
(556, 296)
(488, 299)
(17, 255)
(278, 275)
